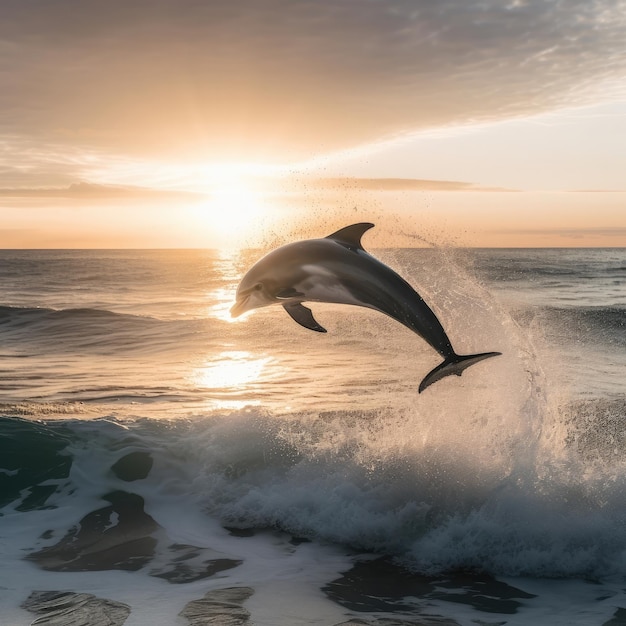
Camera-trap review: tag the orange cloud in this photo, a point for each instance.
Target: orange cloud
(398, 184)
(88, 190)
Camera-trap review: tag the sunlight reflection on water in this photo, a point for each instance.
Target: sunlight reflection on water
(231, 369)
(232, 378)
(224, 300)
(228, 266)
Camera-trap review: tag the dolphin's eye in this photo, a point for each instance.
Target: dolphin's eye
(258, 287)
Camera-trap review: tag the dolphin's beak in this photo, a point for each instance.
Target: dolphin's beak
(239, 307)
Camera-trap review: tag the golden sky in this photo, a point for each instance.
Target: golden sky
(173, 123)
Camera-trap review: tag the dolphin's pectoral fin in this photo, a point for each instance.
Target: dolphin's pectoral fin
(303, 316)
(455, 364)
(350, 236)
(288, 292)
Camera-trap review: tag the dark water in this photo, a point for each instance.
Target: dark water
(307, 467)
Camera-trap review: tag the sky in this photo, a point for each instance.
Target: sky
(181, 123)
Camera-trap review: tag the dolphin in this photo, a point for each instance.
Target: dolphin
(337, 269)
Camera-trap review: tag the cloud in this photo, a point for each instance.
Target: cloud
(84, 190)
(597, 190)
(396, 184)
(605, 232)
(90, 191)
(285, 79)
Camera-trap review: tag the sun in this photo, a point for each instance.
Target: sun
(233, 207)
(231, 211)
(235, 203)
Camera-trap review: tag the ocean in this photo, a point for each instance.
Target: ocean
(162, 464)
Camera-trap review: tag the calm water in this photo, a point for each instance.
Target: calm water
(296, 455)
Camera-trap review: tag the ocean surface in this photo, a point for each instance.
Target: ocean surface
(161, 463)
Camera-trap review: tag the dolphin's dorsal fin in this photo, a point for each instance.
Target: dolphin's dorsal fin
(350, 236)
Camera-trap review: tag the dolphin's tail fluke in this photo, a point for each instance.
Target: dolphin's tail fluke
(454, 364)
